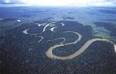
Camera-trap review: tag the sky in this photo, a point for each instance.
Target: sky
(57, 2)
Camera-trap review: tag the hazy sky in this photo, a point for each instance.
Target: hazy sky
(58, 2)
